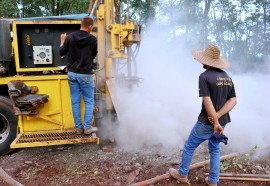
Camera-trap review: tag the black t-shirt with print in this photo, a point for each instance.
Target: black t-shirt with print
(219, 86)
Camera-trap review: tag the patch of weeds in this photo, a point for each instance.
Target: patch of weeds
(31, 172)
(255, 148)
(72, 168)
(224, 165)
(241, 161)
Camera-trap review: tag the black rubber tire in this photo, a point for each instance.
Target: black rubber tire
(5, 100)
(8, 125)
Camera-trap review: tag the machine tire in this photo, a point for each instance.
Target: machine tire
(8, 125)
(5, 100)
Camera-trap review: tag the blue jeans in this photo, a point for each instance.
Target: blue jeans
(199, 134)
(81, 84)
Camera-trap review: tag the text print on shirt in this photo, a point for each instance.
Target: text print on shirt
(224, 81)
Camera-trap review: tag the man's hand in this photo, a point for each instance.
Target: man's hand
(212, 119)
(63, 38)
(218, 128)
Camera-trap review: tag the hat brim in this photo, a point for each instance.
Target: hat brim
(220, 63)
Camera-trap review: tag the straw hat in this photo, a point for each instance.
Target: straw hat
(211, 57)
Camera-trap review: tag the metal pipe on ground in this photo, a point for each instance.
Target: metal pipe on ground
(193, 166)
(242, 175)
(8, 179)
(245, 179)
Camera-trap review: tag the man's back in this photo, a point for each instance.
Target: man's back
(81, 49)
(216, 84)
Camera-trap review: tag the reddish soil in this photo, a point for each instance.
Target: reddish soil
(87, 164)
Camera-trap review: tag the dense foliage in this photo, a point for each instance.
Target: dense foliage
(240, 28)
(237, 26)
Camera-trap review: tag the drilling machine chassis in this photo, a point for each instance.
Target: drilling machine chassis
(35, 106)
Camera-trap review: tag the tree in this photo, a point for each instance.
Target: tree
(9, 9)
(31, 8)
(140, 11)
(238, 27)
(36, 8)
(263, 13)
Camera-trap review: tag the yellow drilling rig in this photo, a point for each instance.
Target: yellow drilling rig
(35, 106)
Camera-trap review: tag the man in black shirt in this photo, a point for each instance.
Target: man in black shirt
(218, 98)
(80, 48)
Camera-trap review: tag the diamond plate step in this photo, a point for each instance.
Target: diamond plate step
(49, 138)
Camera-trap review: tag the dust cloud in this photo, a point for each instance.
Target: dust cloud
(250, 124)
(164, 107)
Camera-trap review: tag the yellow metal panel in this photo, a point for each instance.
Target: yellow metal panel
(54, 124)
(34, 69)
(101, 36)
(56, 114)
(108, 72)
(67, 107)
(67, 116)
(5, 80)
(51, 109)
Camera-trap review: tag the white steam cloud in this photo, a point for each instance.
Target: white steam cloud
(251, 117)
(165, 106)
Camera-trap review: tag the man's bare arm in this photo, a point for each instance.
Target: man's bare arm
(212, 113)
(62, 39)
(227, 107)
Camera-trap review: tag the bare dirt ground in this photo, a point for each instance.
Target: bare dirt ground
(88, 164)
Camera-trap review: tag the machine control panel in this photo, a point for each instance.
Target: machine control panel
(42, 54)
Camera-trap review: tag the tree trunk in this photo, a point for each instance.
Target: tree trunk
(53, 7)
(58, 4)
(149, 10)
(265, 47)
(207, 4)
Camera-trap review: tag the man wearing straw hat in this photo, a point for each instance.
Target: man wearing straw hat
(218, 98)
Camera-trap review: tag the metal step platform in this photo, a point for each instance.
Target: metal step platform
(49, 138)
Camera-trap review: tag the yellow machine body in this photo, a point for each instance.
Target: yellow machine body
(52, 122)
